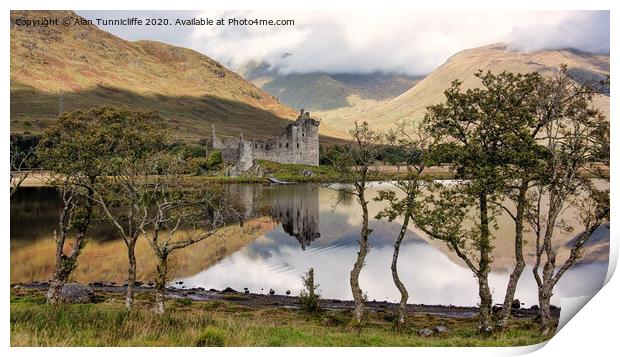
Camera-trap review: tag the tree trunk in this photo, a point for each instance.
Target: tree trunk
(486, 299)
(504, 316)
(358, 297)
(160, 283)
(544, 300)
(131, 273)
(486, 305)
(404, 295)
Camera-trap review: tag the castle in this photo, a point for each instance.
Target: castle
(298, 144)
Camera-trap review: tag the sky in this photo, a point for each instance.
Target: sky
(409, 42)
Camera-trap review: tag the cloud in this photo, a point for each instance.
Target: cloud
(412, 42)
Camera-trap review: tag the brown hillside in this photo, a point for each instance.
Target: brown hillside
(88, 67)
(462, 66)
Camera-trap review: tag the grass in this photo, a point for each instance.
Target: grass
(224, 323)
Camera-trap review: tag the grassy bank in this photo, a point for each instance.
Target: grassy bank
(224, 323)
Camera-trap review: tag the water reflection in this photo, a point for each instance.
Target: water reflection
(312, 231)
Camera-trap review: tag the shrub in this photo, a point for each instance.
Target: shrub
(309, 300)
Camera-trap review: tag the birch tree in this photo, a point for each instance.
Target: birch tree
(134, 170)
(185, 217)
(575, 136)
(72, 153)
(353, 163)
(415, 143)
(479, 125)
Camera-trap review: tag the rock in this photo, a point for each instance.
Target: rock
(150, 283)
(229, 290)
(179, 282)
(213, 290)
(138, 283)
(288, 292)
(73, 293)
(441, 329)
(425, 332)
(534, 307)
(98, 283)
(272, 292)
(516, 304)
(246, 292)
(112, 283)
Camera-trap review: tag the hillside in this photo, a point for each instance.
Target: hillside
(83, 66)
(412, 103)
(326, 91)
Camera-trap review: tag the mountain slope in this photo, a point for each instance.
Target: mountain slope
(84, 66)
(326, 91)
(412, 103)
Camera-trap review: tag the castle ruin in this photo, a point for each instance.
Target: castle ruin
(298, 144)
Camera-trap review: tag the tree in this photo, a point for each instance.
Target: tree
(574, 135)
(185, 217)
(353, 164)
(132, 174)
(73, 153)
(21, 157)
(480, 126)
(413, 143)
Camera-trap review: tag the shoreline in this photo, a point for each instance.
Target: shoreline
(258, 300)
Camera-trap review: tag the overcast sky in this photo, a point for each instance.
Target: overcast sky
(412, 42)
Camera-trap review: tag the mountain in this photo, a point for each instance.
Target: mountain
(326, 91)
(498, 57)
(79, 66)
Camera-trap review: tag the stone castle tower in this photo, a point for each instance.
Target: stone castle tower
(297, 144)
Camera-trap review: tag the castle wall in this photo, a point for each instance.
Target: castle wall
(298, 144)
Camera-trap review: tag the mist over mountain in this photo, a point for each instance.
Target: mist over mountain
(326, 91)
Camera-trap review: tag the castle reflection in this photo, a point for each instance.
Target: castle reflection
(295, 207)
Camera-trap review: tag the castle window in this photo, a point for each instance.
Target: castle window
(298, 145)
(255, 146)
(280, 145)
(286, 144)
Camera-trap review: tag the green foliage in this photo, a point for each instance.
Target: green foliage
(95, 142)
(183, 302)
(23, 153)
(211, 337)
(211, 163)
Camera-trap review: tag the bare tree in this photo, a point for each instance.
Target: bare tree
(415, 143)
(353, 163)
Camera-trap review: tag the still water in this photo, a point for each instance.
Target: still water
(310, 227)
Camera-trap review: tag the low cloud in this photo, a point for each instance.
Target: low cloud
(411, 42)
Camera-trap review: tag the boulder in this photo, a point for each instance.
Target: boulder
(425, 332)
(288, 292)
(516, 304)
(74, 293)
(229, 290)
(534, 307)
(272, 292)
(441, 329)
